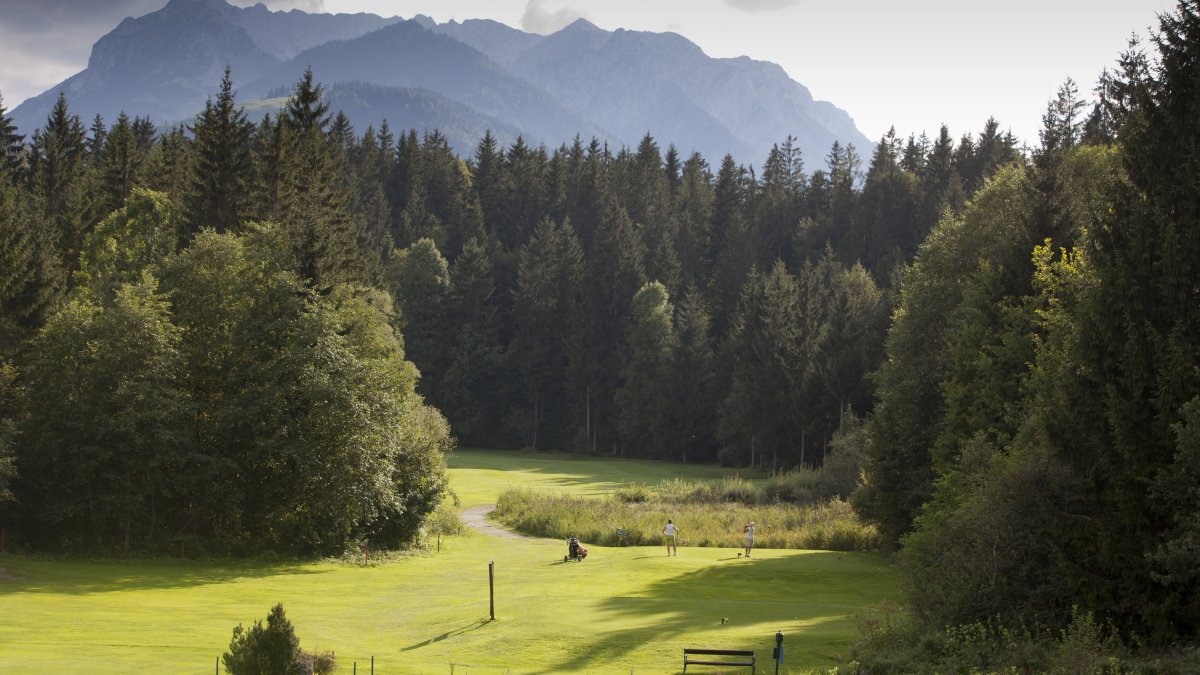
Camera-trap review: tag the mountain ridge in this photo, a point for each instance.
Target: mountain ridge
(583, 80)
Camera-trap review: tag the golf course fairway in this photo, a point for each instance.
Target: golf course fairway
(627, 609)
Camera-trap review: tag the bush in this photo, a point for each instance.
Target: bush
(446, 519)
(633, 494)
(273, 649)
(891, 641)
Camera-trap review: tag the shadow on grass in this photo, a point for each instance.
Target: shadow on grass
(82, 577)
(474, 625)
(776, 592)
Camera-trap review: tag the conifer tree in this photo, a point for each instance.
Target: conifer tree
(18, 271)
(780, 204)
(219, 193)
(760, 407)
(549, 278)
(420, 283)
(120, 167)
(273, 195)
(58, 180)
(11, 144)
(306, 110)
(694, 212)
(731, 242)
(692, 399)
(886, 232)
(471, 387)
(168, 166)
(489, 180)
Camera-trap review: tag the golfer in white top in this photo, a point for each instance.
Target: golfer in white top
(669, 532)
(749, 530)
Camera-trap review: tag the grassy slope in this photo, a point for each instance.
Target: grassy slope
(622, 609)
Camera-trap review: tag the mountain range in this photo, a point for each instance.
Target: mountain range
(461, 78)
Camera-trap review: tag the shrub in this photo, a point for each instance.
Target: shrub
(273, 649)
(446, 519)
(636, 493)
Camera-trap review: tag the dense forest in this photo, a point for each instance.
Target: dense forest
(1035, 448)
(264, 335)
(628, 302)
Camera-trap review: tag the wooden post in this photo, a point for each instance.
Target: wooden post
(366, 556)
(439, 541)
(492, 589)
(217, 667)
(372, 665)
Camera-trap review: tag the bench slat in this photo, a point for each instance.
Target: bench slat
(720, 663)
(722, 652)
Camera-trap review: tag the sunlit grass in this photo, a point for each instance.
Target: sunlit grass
(623, 609)
(479, 476)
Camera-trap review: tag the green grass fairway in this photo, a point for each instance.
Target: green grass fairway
(478, 476)
(622, 610)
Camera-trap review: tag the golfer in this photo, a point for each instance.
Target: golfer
(669, 532)
(749, 530)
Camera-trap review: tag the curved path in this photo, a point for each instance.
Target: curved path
(476, 518)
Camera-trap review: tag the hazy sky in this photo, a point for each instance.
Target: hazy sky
(912, 64)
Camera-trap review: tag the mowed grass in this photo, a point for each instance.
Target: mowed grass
(628, 609)
(480, 476)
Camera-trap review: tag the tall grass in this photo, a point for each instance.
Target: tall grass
(801, 486)
(831, 525)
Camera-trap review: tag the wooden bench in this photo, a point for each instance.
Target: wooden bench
(745, 658)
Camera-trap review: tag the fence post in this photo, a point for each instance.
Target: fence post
(492, 589)
(217, 667)
(372, 665)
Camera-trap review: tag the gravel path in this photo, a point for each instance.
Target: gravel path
(476, 518)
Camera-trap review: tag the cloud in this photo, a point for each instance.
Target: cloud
(42, 42)
(538, 19)
(51, 15)
(761, 5)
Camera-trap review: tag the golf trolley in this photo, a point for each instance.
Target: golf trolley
(575, 551)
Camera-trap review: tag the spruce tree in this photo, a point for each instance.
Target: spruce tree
(692, 399)
(11, 144)
(306, 110)
(219, 193)
(59, 187)
(120, 167)
(471, 387)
